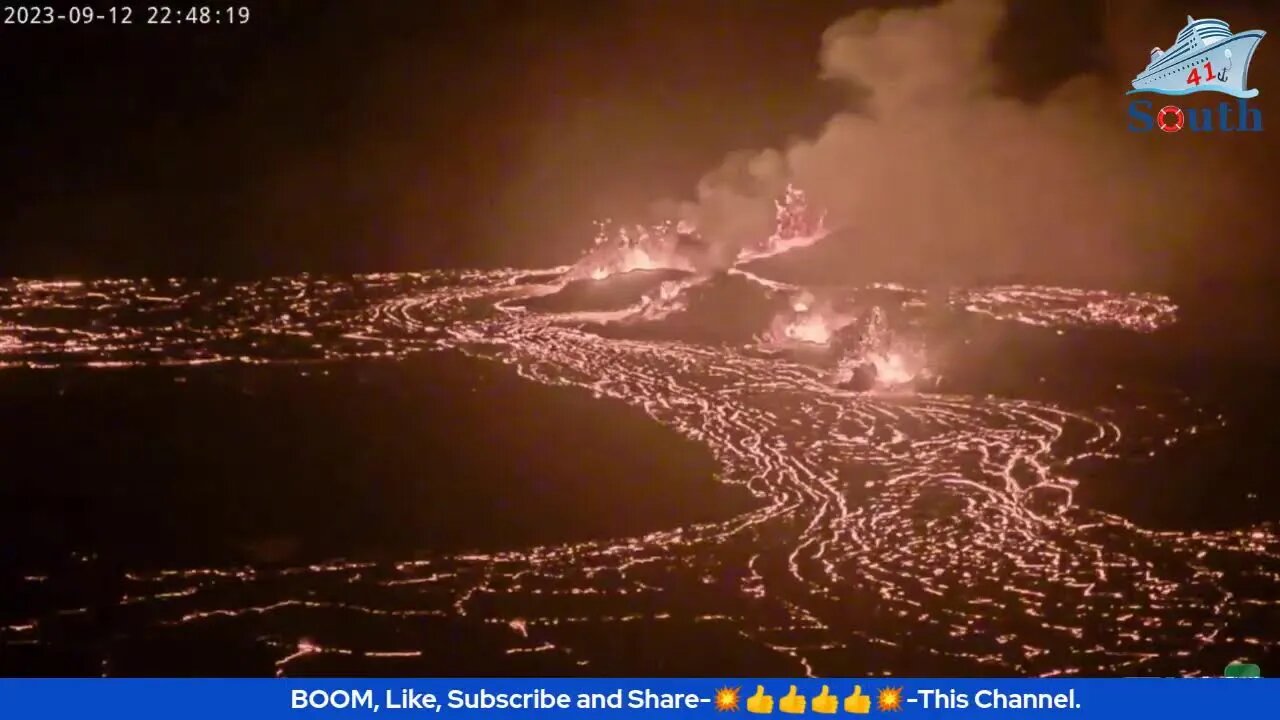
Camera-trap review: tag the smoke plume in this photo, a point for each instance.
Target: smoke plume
(933, 175)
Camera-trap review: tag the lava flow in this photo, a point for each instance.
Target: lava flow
(890, 531)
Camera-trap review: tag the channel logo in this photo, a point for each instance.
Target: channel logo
(1206, 57)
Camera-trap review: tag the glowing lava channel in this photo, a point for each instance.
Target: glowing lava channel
(889, 531)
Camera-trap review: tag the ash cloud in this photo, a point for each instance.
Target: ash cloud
(933, 175)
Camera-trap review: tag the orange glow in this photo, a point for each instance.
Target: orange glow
(914, 497)
(659, 246)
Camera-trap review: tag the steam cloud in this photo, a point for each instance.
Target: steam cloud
(932, 175)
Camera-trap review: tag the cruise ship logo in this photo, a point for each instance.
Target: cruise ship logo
(1206, 57)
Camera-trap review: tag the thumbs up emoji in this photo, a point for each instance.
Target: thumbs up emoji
(825, 702)
(791, 703)
(760, 703)
(857, 703)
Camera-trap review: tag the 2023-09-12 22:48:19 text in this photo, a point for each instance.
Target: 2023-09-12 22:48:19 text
(192, 15)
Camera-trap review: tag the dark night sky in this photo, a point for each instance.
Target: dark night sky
(349, 136)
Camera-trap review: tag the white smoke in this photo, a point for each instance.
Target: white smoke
(931, 175)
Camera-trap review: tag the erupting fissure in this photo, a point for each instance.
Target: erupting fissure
(678, 245)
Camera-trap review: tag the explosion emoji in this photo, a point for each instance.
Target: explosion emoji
(890, 699)
(727, 699)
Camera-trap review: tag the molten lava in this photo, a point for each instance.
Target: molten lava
(675, 245)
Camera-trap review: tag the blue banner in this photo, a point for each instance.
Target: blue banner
(226, 699)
